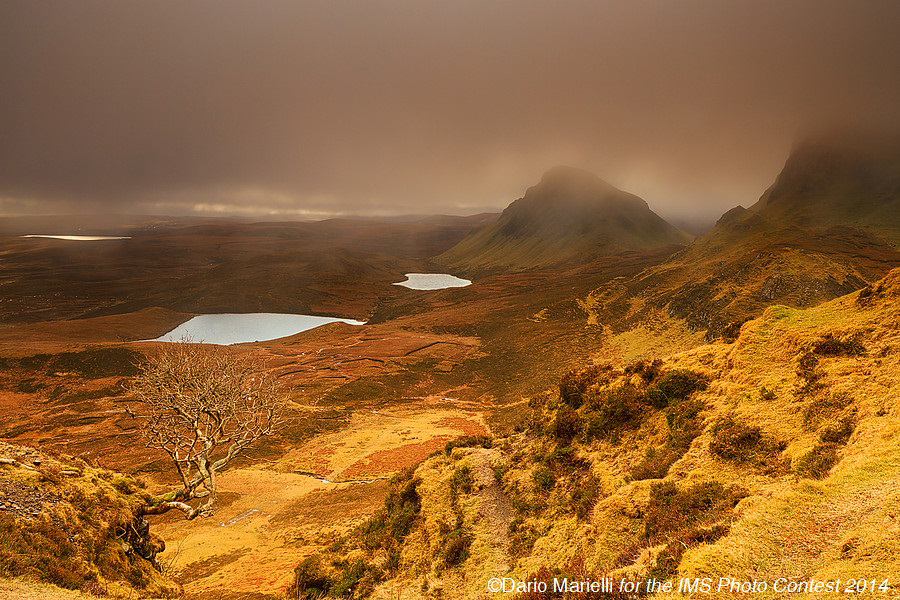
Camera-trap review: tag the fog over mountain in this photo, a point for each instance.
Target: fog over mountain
(571, 216)
(313, 109)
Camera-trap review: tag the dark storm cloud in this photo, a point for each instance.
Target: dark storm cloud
(307, 108)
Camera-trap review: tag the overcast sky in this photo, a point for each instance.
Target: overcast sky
(304, 109)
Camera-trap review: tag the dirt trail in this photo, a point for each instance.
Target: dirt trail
(494, 506)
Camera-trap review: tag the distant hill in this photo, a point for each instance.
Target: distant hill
(851, 180)
(570, 216)
(828, 225)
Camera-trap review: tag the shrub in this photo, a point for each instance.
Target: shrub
(655, 464)
(392, 524)
(309, 582)
(744, 444)
(585, 496)
(647, 370)
(462, 479)
(684, 424)
(471, 441)
(382, 533)
(831, 346)
(612, 411)
(521, 537)
(574, 384)
(675, 387)
(672, 508)
(566, 423)
(669, 559)
(42, 548)
(807, 370)
(543, 478)
(500, 471)
(684, 427)
(564, 458)
(456, 548)
(824, 407)
(352, 581)
(731, 331)
(734, 441)
(817, 463)
(839, 431)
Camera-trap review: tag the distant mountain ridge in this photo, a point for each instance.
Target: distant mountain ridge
(828, 225)
(570, 216)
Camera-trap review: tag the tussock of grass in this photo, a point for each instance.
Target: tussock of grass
(831, 346)
(746, 444)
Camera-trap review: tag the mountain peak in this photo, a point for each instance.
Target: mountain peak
(566, 184)
(564, 174)
(570, 216)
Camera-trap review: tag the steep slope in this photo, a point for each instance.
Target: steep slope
(851, 180)
(78, 527)
(826, 227)
(570, 216)
(777, 456)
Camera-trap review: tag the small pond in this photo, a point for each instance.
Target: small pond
(79, 238)
(432, 281)
(233, 328)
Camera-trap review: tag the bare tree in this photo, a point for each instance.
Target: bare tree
(202, 406)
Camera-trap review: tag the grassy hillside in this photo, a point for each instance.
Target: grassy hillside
(745, 264)
(65, 523)
(777, 455)
(828, 225)
(571, 216)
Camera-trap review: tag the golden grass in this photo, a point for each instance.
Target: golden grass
(845, 525)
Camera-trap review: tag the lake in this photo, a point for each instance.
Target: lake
(432, 281)
(238, 328)
(79, 238)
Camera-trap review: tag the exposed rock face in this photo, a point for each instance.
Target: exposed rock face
(571, 216)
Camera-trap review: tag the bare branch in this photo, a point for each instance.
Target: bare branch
(203, 406)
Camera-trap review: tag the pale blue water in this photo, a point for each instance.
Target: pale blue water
(231, 328)
(432, 281)
(79, 238)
